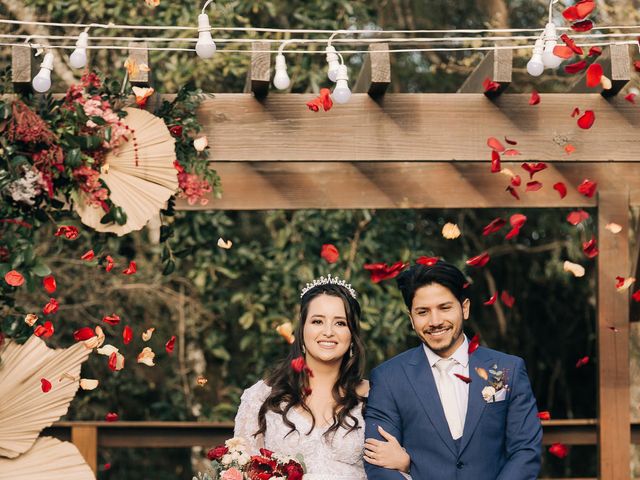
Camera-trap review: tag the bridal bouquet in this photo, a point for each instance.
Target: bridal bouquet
(231, 462)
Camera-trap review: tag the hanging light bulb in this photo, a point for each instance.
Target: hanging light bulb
(535, 66)
(42, 81)
(281, 79)
(551, 40)
(205, 47)
(332, 60)
(341, 94)
(78, 58)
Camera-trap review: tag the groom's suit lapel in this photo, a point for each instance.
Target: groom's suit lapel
(476, 403)
(420, 375)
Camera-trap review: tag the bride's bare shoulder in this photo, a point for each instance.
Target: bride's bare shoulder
(363, 388)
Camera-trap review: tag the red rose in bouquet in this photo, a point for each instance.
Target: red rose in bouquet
(217, 453)
(293, 470)
(262, 467)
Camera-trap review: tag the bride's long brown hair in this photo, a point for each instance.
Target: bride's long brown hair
(288, 387)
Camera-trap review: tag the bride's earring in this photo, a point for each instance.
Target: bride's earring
(351, 351)
(303, 350)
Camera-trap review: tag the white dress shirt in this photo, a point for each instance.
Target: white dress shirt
(461, 367)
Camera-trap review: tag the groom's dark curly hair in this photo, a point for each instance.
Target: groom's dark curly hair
(289, 388)
(419, 275)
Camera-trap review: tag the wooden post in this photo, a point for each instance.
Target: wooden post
(497, 66)
(375, 75)
(142, 77)
(614, 433)
(85, 438)
(616, 65)
(260, 70)
(22, 68)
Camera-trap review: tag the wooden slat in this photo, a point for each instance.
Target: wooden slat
(429, 127)
(296, 185)
(497, 66)
(375, 75)
(259, 75)
(616, 65)
(141, 78)
(22, 68)
(614, 436)
(85, 438)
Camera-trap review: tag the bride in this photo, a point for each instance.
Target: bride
(316, 411)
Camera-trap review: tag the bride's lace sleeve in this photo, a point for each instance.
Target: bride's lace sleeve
(246, 422)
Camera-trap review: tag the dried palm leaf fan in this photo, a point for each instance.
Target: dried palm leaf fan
(24, 408)
(139, 173)
(49, 458)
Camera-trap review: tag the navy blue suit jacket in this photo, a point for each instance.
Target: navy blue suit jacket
(501, 440)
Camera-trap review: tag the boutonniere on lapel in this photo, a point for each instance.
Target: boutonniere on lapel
(497, 389)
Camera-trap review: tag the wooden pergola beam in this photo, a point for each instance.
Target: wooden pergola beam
(497, 66)
(616, 65)
(259, 75)
(424, 127)
(140, 55)
(352, 185)
(375, 75)
(22, 68)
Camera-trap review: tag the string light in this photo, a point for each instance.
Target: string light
(549, 59)
(42, 81)
(281, 79)
(535, 66)
(78, 59)
(341, 93)
(205, 47)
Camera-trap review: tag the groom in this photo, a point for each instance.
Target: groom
(460, 412)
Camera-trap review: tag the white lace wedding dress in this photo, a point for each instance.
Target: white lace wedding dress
(338, 457)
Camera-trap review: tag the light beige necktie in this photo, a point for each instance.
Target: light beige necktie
(448, 397)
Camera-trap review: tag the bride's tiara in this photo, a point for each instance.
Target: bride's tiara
(328, 280)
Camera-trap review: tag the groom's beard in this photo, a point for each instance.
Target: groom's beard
(442, 346)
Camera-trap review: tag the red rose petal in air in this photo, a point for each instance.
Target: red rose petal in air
(329, 253)
(575, 67)
(109, 263)
(170, 345)
(571, 44)
(533, 186)
(314, 105)
(577, 217)
(507, 299)
(479, 260)
(45, 385)
(298, 364)
(582, 362)
(490, 86)
(534, 168)
(590, 248)
(636, 65)
(88, 255)
(636, 296)
(576, 112)
(466, 380)
(509, 141)
(513, 192)
(51, 307)
(428, 261)
(45, 330)
(127, 335)
(131, 269)
(559, 450)
(588, 188)
(49, 283)
(495, 162)
(511, 152)
(106, 466)
(563, 51)
(579, 10)
(495, 225)
(112, 319)
(14, 278)
(113, 361)
(517, 221)
(111, 417)
(84, 333)
(569, 149)
(325, 99)
(594, 74)
(492, 300)
(595, 52)
(561, 188)
(68, 231)
(382, 271)
(583, 26)
(630, 97)
(494, 144)
(474, 344)
(516, 181)
(534, 99)
(586, 121)
(544, 415)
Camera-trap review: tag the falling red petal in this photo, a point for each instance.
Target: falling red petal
(590, 248)
(382, 271)
(479, 260)
(534, 99)
(112, 319)
(325, 99)
(466, 380)
(511, 152)
(571, 44)
(544, 415)
(49, 283)
(636, 65)
(113, 361)
(513, 192)
(534, 168)
(559, 450)
(474, 344)
(577, 217)
(507, 299)
(594, 74)
(595, 52)
(329, 253)
(495, 225)
(569, 149)
(620, 281)
(84, 333)
(490, 86)
(582, 362)
(630, 97)
(170, 345)
(586, 121)
(131, 269)
(428, 261)
(575, 67)
(127, 335)
(583, 26)
(576, 112)
(636, 296)
(492, 300)
(588, 188)
(14, 278)
(578, 11)
(298, 364)
(561, 188)
(111, 417)
(533, 186)
(509, 141)
(516, 181)
(563, 51)
(495, 162)
(88, 255)
(51, 307)
(512, 233)
(45, 385)
(45, 330)
(494, 144)
(109, 263)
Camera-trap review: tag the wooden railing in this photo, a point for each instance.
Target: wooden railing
(89, 436)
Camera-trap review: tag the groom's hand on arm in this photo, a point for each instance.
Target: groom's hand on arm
(381, 411)
(524, 431)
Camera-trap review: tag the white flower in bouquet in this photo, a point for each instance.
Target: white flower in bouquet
(236, 444)
(226, 459)
(243, 459)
